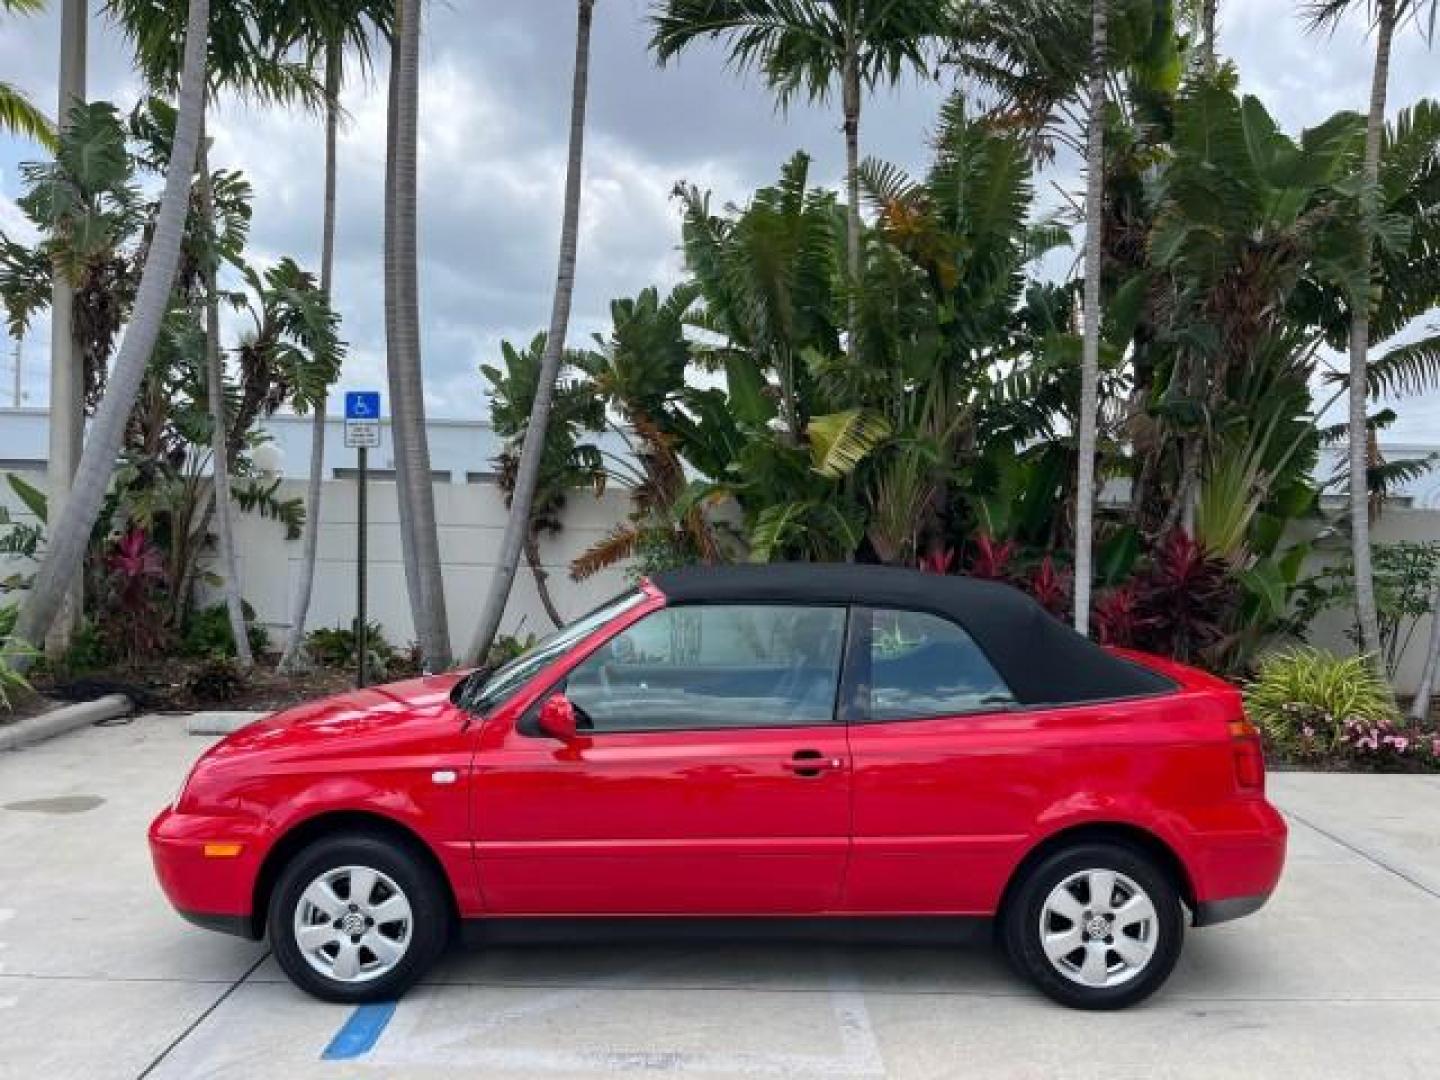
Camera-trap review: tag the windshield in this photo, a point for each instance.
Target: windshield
(503, 682)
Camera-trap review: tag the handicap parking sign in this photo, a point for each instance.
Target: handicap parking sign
(362, 405)
(362, 419)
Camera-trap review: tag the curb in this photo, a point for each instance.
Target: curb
(220, 723)
(65, 719)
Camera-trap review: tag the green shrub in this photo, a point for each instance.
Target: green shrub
(1311, 702)
(87, 652)
(334, 647)
(11, 681)
(507, 647)
(207, 633)
(218, 679)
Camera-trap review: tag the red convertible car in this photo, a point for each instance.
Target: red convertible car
(839, 746)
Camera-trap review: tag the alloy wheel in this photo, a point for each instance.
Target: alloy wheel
(1098, 928)
(353, 924)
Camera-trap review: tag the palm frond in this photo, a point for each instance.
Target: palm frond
(840, 441)
(1406, 369)
(620, 544)
(20, 117)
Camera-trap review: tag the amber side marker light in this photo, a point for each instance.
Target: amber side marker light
(1249, 757)
(227, 850)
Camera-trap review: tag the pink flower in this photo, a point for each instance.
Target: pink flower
(1435, 745)
(1399, 743)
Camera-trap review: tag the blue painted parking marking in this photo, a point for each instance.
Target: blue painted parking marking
(359, 1033)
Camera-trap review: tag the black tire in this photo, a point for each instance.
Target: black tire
(1022, 931)
(424, 935)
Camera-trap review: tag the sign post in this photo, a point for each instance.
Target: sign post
(362, 431)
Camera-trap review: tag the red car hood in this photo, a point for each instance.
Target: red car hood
(375, 715)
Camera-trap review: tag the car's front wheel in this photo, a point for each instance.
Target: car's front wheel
(357, 918)
(1095, 926)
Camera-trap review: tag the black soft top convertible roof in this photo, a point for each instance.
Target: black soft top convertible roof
(1043, 661)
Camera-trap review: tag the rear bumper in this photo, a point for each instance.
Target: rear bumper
(1237, 869)
(215, 892)
(1210, 912)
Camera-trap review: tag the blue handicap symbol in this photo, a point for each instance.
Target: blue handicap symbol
(362, 405)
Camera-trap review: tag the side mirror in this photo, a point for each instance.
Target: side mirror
(557, 718)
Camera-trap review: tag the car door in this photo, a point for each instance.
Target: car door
(709, 775)
(943, 794)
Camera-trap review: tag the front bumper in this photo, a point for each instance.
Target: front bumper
(210, 890)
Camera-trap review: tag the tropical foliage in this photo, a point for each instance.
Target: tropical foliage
(939, 431)
(1318, 708)
(90, 209)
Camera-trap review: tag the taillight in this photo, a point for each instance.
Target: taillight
(1249, 758)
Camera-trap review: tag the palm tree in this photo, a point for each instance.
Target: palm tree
(1090, 355)
(412, 451)
(71, 532)
(327, 29)
(219, 426)
(1325, 14)
(527, 478)
(805, 46)
(567, 463)
(244, 55)
(17, 113)
(67, 395)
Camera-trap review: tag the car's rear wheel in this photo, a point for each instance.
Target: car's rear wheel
(357, 918)
(1095, 926)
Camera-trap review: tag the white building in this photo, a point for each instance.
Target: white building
(470, 514)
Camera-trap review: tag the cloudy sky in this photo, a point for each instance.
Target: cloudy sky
(493, 116)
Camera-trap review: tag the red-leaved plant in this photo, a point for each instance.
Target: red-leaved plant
(991, 561)
(1183, 599)
(133, 623)
(937, 561)
(1050, 586)
(1116, 617)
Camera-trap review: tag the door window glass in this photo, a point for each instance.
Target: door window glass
(714, 666)
(922, 665)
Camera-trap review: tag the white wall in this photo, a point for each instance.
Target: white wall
(1396, 525)
(471, 521)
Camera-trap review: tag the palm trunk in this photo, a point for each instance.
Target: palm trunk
(1365, 611)
(542, 582)
(70, 531)
(528, 476)
(290, 659)
(1420, 707)
(1090, 357)
(851, 103)
(67, 377)
(220, 431)
(1207, 35)
(412, 450)
(402, 489)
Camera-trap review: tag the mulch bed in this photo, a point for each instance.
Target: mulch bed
(165, 687)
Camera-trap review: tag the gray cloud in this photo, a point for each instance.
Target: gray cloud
(494, 112)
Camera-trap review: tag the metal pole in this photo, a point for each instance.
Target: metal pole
(362, 645)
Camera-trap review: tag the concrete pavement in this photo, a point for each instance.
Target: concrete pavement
(1338, 977)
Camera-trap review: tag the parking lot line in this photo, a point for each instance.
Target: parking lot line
(194, 1024)
(360, 1032)
(1368, 856)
